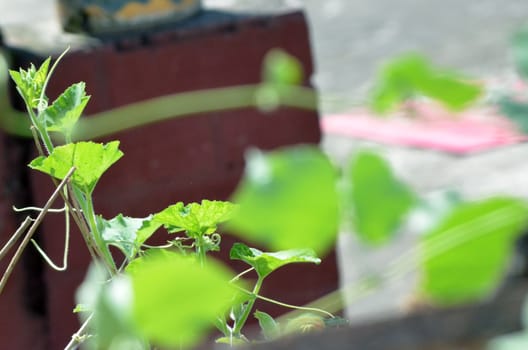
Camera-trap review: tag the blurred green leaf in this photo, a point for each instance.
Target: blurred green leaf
(30, 82)
(266, 263)
(62, 115)
(282, 68)
(175, 300)
(520, 51)
(516, 111)
(269, 327)
(465, 257)
(111, 303)
(288, 199)
(411, 75)
(196, 219)
(379, 201)
(90, 159)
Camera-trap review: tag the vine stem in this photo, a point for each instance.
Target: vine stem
(76, 338)
(107, 257)
(240, 324)
(21, 229)
(200, 250)
(33, 228)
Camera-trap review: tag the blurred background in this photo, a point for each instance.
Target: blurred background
(349, 40)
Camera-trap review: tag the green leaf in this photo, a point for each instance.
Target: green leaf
(176, 300)
(122, 232)
(196, 219)
(30, 82)
(516, 111)
(269, 327)
(281, 68)
(520, 51)
(266, 263)
(146, 230)
(62, 115)
(90, 159)
(465, 257)
(288, 199)
(379, 201)
(411, 75)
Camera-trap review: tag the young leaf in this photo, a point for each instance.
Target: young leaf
(90, 160)
(379, 201)
(269, 327)
(176, 300)
(196, 219)
(466, 256)
(410, 75)
(288, 199)
(30, 82)
(62, 115)
(266, 263)
(122, 232)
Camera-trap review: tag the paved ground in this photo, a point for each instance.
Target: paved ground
(350, 39)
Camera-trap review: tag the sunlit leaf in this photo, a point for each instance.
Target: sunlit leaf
(146, 230)
(176, 300)
(288, 199)
(62, 115)
(466, 256)
(30, 82)
(378, 199)
(411, 75)
(196, 219)
(269, 327)
(266, 263)
(90, 159)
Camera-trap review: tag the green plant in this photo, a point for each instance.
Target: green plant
(292, 200)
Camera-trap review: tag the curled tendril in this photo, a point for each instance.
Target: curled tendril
(216, 239)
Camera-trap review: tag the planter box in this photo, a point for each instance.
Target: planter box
(465, 327)
(186, 159)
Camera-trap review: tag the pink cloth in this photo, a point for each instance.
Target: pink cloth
(432, 128)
